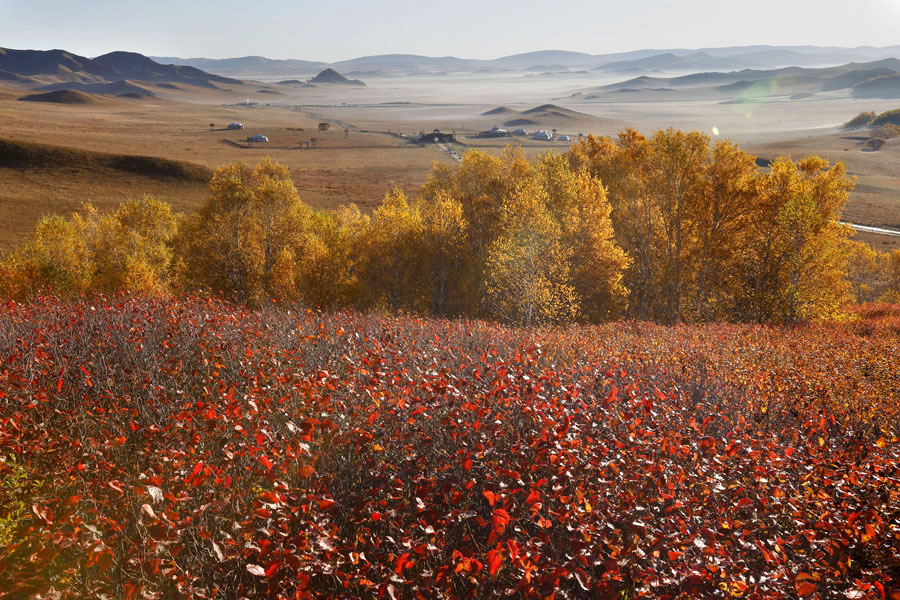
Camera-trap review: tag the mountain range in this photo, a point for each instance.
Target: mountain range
(116, 72)
(646, 60)
(874, 79)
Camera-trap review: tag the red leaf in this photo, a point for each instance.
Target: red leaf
(264, 461)
(197, 468)
(500, 519)
(489, 495)
(494, 560)
(273, 568)
(513, 549)
(400, 563)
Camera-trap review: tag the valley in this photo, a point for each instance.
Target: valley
(377, 109)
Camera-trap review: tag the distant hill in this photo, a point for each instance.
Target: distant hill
(887, 86)
(864, 78)
(47, 62)
(64, 97)
(56, 69)
(130, 65)
(246, 66)
(115, 88)
(331, 76)
(891, 117)
(673, 60)
(500, 110)
(546, 111)
(545, 115)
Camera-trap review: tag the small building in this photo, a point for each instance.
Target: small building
(544, 136)
(235, 125)
(436, 137)
(520, 133)
(564, 138)
(494, 132)
(257, 138)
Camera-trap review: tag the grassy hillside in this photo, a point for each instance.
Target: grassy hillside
(27, 155)
(39, 179)
(155, 448)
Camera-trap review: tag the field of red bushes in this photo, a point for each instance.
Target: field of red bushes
(154, 448)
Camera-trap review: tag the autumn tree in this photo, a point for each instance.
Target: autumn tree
(55, 257)
(676, 182)
(389, 252)
(246, 238)
(527, 265)
(891, 269)
(623, 167)
(865, 271)
(795, 267)
(444, 253)
(720, 218)
(128, 249)
(333, 256)
(577, 202)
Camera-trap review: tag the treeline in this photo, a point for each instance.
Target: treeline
(668, 228)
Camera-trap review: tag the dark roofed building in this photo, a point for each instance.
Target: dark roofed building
(436, 137)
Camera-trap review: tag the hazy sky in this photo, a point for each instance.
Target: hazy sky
(332, 30)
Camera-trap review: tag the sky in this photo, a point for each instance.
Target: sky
(332, 30)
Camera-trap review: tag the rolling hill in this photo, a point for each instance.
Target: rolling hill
(333, 77)
(886, 86)
(112, 73)
(64, 97)
(546, 115)
(30, 155)
(858, 79)
(644, 60)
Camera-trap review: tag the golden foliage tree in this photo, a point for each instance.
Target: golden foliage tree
(527, 265)
(444, 253)
(390, 253)
(709, 237)
(796, 264)
(252, 223)
(128, 249)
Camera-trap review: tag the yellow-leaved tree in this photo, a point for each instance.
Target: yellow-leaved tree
(527, 279)
(865, 271)
(390, 253)
(795, 268)
(128, 249)
(444, 254)
(577, 202)
(246, 239)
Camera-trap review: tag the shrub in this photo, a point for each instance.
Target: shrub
(194, 449)
(890, 117)
(861, 120)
